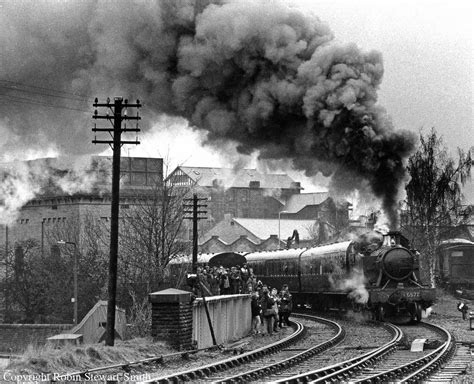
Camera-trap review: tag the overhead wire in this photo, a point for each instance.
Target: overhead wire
(72, 95)
(23, 100)
(14, 86)
(28, 89)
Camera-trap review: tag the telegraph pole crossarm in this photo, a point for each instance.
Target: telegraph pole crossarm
(116, 143)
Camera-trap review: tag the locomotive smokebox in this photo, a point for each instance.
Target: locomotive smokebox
(397, 263)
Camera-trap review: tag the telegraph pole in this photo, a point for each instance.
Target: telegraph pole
(196, 216)
(116, 143)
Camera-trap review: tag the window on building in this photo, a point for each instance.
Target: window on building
(54, 207)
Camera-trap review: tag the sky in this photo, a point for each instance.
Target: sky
(426, 48)
(428, 56)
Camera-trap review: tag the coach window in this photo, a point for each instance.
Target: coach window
(305, 267)
(292, 268)
(276, 267)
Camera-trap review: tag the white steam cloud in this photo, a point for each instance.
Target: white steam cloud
(23, 181)
(354, 285)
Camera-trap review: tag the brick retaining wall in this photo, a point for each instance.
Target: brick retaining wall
(172, 318)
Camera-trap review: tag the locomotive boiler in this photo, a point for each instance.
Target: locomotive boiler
(376, 274)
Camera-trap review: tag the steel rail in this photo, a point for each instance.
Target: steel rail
(423, 363)
(290, 361)
(440, 355)
(423, 366)
(126, 365)
(202, 372)
(341, 371)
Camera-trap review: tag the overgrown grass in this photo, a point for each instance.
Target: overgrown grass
(445, 313)
(68, 359)
(140, 317)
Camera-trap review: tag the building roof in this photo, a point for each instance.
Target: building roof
(457, 241)
(228, 177)
(298, 201)
(264, 228)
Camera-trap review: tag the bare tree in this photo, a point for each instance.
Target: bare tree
(89, 243)
(433, 196)
(151, 236)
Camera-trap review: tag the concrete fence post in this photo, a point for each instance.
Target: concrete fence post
(172, 318)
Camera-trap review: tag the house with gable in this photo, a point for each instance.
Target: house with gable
(248, 235)
(317, 206)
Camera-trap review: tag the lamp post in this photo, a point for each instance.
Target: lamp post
(75, 276)
(279, 219)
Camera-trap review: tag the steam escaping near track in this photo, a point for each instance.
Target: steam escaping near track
(22, 181)
(354, 285)
(264, 75)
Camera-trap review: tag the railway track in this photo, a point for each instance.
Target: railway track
(289, 360)
(391, 362)
(287, 356)
(458, 368)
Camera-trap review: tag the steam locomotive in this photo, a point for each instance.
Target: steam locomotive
(379, 274)
(375, 273)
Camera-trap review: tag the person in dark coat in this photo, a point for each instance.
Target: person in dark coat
(285, 306)
(256, 313)
(234, 281)
(224, 286)
(267, 303)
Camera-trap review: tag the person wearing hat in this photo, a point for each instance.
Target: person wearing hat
(285, 306)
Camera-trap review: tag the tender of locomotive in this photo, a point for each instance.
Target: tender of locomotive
(381, 276)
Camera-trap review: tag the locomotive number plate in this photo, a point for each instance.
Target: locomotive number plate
(411, 295)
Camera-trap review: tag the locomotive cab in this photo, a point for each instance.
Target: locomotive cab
(391, 262)
(395, 238)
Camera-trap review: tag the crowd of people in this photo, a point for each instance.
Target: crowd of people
(227, 281)
(270, 309)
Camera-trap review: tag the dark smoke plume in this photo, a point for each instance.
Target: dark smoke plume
(260, 73)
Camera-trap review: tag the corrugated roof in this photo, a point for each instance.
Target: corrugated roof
(263, 228)
(228, 177)
(298, 201)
